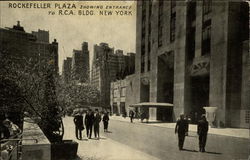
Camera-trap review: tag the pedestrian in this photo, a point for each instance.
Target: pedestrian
(188, 120)
(89, 120)
(78, 120)
(105, 120)
(202, 130)
(131, 116)
(12, 129)
(97, 120)
(181, 129)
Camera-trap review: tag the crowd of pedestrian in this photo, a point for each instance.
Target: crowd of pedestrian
(91, 121)
(181, 129)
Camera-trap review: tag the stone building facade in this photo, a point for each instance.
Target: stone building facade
(193, 54)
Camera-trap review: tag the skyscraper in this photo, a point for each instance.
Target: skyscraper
(80, 64)
(190, 54)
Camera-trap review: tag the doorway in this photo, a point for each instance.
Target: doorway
(199, 97)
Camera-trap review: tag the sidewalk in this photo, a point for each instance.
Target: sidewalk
(233, 132)
(103, 149)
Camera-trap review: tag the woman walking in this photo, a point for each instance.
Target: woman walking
(105, 120)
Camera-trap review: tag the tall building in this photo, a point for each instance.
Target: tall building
(66, 70)
(191, 53)
(109, 65)
(20, 45)
(80, 64)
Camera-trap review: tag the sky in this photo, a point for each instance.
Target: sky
(71, 30)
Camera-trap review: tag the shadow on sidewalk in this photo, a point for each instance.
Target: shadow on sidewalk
(212, 152)
(189, 150)
(101, 138)
(152, 122)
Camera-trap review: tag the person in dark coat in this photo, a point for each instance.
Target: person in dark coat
(202, 129)
(105, 120)
(97, 120)
(78, 120)
(89, 120)
(181, 128)
(132, 114)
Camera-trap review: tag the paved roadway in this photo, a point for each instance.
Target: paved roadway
(162, 143)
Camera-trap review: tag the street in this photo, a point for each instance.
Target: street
(161, 143)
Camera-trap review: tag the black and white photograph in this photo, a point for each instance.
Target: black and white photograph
(124, 80)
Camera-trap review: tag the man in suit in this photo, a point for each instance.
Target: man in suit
(78, 120)
(97, 120)
(202, 130)
(89, 120)
(181, 128)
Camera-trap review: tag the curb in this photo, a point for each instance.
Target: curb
(147, 124)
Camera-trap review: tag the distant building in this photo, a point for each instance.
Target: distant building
(66, 70)
(123, 95)
(80, 64)
(109, 65)
(19, 45)
(118, 97)
(194, 54)
(41, 35)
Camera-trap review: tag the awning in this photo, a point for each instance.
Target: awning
(151, 104)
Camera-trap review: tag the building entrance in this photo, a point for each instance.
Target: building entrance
(115, 108)
(122, 108)
(165, 78)
(165, 114)
(199, 96)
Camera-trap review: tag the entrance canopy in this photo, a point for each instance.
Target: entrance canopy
(152, 104)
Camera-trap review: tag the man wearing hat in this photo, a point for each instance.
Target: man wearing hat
(202, 130)
(78, 120)
(181, 128)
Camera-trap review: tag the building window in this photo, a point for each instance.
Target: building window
(191, 43)
(172, 20)
(149, 50)
(173, 6)
(247, 116)
(206, 27)
(142, 63)
(192, 11)
(207, 6)
(116, 93)
(172, 29)
(123, 91)
(160, 22)
(191, 26)
(149, 64)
